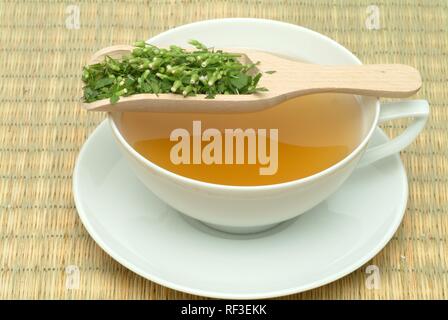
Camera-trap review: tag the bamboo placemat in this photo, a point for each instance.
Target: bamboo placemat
(42, 129)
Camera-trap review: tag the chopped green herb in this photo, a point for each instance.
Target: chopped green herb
(103, 82)
(149, 69)
(240, 81)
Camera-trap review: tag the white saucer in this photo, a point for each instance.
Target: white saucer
(153, 240)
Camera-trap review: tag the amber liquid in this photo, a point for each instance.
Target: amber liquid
(314, 133)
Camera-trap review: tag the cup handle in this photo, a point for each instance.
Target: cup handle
(417, 109)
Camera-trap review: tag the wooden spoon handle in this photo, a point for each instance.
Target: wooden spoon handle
(381, 80)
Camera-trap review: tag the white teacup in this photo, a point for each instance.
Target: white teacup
(245, 209)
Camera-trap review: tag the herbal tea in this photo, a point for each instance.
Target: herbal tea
(292, 140)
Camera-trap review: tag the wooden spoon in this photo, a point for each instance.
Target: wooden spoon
(291, 79)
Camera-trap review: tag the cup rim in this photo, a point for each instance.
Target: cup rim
(270, 187)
